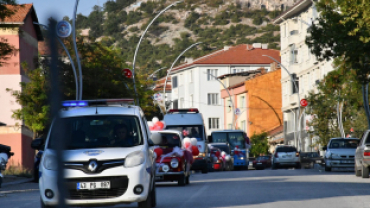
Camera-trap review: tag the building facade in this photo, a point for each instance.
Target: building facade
(193, 85)
(307, 71)
(257, 98)
(20, 32)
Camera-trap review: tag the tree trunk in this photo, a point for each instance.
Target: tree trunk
(365, 96)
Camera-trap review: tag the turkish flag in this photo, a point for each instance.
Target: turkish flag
(127, 73)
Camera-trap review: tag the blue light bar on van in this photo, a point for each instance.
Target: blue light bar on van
(106, 102)
(75, 103)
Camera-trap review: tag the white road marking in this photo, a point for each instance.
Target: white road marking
(198, 193)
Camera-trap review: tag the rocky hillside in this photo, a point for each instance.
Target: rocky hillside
(215, 22)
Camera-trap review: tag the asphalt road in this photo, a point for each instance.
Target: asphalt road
(254, 188)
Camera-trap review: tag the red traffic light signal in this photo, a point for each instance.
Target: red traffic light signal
(127, 73)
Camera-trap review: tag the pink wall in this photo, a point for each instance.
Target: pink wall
(21, 146)
(12, 65)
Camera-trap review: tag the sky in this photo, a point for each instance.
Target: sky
(60, 8)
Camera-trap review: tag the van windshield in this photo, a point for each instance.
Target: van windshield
(97, 131)
(190, 131)
(232, 138)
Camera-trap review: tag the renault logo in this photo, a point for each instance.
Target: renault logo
(92, 166)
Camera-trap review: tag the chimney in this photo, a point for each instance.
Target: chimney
(265, 46)
(189, 60)
(273, 66)
(257, 45)
(226, 48)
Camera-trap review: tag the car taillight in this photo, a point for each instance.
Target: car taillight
(297, 154)
(276, 155)
(366, 153)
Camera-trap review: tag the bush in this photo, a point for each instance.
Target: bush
(17, 170)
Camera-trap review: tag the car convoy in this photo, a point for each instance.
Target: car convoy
(111, 155)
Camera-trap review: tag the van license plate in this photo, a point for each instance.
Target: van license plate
(93, 185)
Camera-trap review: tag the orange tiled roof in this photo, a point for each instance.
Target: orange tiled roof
(20, 13)
(236, 55)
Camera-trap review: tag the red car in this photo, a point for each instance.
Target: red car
(262, 162)
(217, 162)
(171, 166)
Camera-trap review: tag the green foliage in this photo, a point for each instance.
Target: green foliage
(5, 48)
(191, 20)
(259, 144)
(133, 17)
(222, 18)
(339, 85)
(34, 100)
(214, 3)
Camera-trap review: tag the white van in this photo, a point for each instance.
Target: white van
(190, 123)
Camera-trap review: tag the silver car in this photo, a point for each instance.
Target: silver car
(340, 153)
(285, 155)
(362, 157)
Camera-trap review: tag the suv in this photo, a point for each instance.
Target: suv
(285, 155)
(106, 157)
(340, 153)
(362, 157)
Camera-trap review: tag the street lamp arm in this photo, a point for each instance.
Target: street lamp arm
(155, 72)
(173, 64)
(69, 56)
(228, 92)
(141, 38)
(75, 48)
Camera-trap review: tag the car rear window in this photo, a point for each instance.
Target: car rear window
(286, 149)
(170, 140)
(189, 131)
(344, 143)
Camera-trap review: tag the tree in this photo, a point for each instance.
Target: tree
(34, 101)
(340, 31)
(5, 48)
(259, 144)
(341, 86)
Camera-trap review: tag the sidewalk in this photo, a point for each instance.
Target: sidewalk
(13, 180)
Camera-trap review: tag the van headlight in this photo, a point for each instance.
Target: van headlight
(174, 163)
(134, 159)
(50, 162)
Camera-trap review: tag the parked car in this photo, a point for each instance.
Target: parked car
(37, 144)
(190, 123)
(217, 163)
(106, 160)
(173, 167)
(309, 159)
(362, 156)
(285, 155)
(239, 145)
(262, 162)
(228, 161)
(340, 153)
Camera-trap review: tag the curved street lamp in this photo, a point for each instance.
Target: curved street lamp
(69, 56)
(155, 72)
(299, 100)
(231, 100)
(173, 64)
(141, 38)
(75, 48)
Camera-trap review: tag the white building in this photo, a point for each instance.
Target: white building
(305, 68)
(193, 88)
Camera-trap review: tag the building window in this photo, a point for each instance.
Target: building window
(243, 126)
(295, 83)
(175, 104)
(293, 54)
(229, 126)
(190, 76)
(212, 98)
(242, 102)
(290, 122)
(212, 72)
(191, 101)
(213, 123)
(174, 82)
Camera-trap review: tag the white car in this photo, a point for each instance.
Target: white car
(340, 153)
(285, 155)
(107, 159)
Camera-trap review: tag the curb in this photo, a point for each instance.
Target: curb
(17, 182)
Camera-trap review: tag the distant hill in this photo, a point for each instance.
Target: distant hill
(215, 22)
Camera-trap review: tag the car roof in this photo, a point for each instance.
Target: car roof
(227, 130)
(344, 138)
(168, 131)
(280, 146)
(96, 111)
(219, 144)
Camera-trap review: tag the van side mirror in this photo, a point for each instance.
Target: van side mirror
(209, 138)
(150, 143)
(324, 148)
(38, 144)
